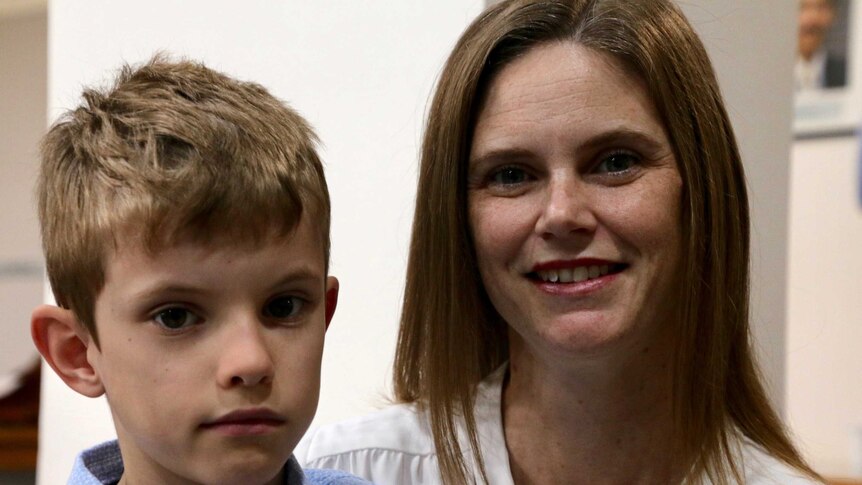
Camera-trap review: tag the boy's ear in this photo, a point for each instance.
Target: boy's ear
(331, 298)
(63, 343)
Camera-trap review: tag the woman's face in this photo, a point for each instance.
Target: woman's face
(574, 203)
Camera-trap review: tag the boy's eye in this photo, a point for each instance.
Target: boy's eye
(176, 318)
(509, 176)
(282, 307)
(617, 162)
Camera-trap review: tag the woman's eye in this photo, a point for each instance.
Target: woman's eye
(176, 318)
(283, 307)
(509, 176)
(617, 162)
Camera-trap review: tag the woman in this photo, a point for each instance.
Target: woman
(576, 308)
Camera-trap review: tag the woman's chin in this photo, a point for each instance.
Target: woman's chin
(587, 336)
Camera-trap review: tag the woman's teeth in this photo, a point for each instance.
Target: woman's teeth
(573, 275)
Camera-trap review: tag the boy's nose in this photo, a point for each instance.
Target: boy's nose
(246, 359)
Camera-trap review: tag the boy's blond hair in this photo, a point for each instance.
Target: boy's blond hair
(173, 151)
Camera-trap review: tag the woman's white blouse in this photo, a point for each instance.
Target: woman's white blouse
(394, 446)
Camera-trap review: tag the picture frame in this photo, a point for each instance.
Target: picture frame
(828, 88)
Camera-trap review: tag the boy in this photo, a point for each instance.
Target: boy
(185, 224)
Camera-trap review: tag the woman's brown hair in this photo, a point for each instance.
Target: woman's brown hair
(451, 337)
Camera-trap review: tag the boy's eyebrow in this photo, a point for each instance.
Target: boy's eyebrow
(300, 274)
(157, 289)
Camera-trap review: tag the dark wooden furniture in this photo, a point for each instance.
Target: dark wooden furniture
(19, 418)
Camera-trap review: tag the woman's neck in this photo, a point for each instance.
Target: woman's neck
(598, 420)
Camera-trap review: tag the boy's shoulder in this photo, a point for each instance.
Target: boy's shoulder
(103, 464)
(332, 477)
(99, 465)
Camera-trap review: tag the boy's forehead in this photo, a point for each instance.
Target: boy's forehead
(132, 246)
(156, 238)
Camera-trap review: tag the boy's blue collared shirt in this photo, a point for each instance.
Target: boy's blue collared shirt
(103, 465)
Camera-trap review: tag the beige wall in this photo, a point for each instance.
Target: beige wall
(23, 95)
(806, 231)
(22, 121)
(824, 335)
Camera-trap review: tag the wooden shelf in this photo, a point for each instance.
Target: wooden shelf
(19, 416)
(18, 447)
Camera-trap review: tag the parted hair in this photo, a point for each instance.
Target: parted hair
(451, 337)
(172, 151)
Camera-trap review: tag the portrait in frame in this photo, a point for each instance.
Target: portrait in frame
(826, 70)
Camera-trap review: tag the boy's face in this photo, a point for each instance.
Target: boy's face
(210, 356)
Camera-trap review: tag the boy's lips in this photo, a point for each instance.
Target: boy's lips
(244, 422)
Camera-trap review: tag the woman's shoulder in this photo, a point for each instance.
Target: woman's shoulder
(761, 468)
(393, 445)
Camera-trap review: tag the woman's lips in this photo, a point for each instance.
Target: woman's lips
(574, 277)
(246, 422)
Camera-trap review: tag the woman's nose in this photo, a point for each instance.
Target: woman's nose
(246, 359)
(567, 210)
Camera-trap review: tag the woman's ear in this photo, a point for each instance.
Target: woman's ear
(63, 343)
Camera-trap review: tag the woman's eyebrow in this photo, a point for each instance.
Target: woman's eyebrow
(645, 140)
(623, 135)
(501, 155)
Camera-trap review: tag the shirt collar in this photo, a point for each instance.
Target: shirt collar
(293, 474)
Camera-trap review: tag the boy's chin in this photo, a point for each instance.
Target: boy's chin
(247, 473)
(245, 461)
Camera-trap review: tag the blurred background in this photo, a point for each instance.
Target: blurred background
(362, 73)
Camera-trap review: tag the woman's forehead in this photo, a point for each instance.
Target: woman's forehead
(573, 90)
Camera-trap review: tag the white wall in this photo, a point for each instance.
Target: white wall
(824, 337)
(361, 72)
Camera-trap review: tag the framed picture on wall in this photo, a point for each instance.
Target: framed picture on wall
(828, 68)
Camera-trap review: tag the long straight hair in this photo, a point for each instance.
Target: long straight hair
(451, 337)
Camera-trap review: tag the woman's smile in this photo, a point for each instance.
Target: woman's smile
(574, 277)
